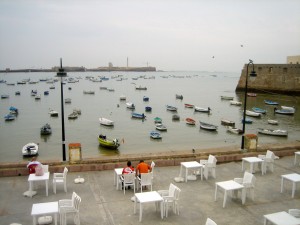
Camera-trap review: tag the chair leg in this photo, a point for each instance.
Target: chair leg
(54, 187)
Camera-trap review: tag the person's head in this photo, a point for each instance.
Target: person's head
(141, 160)
(129, 163)
(33, 159)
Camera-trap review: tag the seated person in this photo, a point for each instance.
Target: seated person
(142, 167)
(128, 168)
(31, 165)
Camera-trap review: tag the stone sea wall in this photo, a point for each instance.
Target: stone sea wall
(274, 78)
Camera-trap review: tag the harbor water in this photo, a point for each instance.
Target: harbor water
(202, 89)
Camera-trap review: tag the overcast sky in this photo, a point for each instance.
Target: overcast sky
(198, 35)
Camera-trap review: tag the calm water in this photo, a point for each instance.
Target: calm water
(198, 88)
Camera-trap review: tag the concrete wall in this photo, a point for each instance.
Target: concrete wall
(293, 59)
(278, 78)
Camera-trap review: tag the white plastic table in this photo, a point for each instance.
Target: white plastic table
(117, 174)
(32, 178)
(281, 218)
(191, 165)
(294, 177)
(41, 209)
(296, 156)
(229, 186)
(146, 197)
(252, 161)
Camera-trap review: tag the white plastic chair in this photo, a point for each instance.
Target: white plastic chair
(145, 180)
(268, 161)
(171, 198)
(248, 181)
(71, 206)
(209, 166)
(295, 212)
(152, 168)
(60, 178)
(128, 180)
(45, 168)
(210, 222)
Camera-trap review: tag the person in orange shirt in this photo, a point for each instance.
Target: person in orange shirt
(142, 167)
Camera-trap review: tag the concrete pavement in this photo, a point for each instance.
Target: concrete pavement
(103, 204)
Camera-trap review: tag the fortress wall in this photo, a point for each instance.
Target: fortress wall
(278, 78)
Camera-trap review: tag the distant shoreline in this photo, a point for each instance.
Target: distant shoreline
(83, 69)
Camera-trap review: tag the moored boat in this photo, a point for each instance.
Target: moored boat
(190, 121)
(175, 117)
(4, 96)
(30, 149)
(273, 122)
(122, 97)
(269, 102)
(284, 111)
(252, 113)
(53, 113)
(204, 110)
(251, 94)
(234, 130)
(259, 110)
(160, 127)
(89, 92)
(72, 116)
(68, 100)
(106, 122)
(138, 115)
(46, 129)
(13, 110)
(291, 108)
(9, 117)
(155, 135)
(179, 96)
(108, 142)
(247, 120)
(207, 126)
(148, 108)
(186, 105)
(227, 122)
(171, 108)
(278, 132)
(145, 99)
(157, 120)
(130, 105)
(235, 103)
(140, 88)
(226, 97)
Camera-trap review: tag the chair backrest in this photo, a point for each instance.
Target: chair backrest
(45, 168)
(210, 222)
(152, 167)
(172, 189)
(249, 179)
(212, 160)
(177, 193)
(270, 155)
(146, 179)
(76, 201)
(129, 178)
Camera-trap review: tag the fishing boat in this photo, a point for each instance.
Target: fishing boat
(46, 129)
(106, 122)
(278, 132)
(171, 108)
(227, 122)
(247, 120)
(226, 97)
(130, 105)
(46, 92)
(145, 99)
(68, 100)
(284, 111)
(155, 135)
(175, 117)
(269, 102)
(157, 120)
(273, 122)
(186, 105)
(72, 116)
(148, 109)
(179, 96)
(17, 93)
(234, 130)
(53, 113)
(13, 110)
(78, 111)
(138, 115)
(190, 121)
(160, 127)
(253, 114)
(122, 97)
(204, 110)
(140, 88)
(259, 110)
(237, 103)
(37, 97)
(30, 149)
(207, 126)
(9, 117)
(107, 142)
(4, 96)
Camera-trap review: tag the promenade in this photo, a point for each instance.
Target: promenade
(103, 204)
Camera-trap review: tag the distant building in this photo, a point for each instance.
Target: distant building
(276, 78)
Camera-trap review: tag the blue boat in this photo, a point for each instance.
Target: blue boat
(46, 92)
(269, 102)
(9, 117)
(155, 135)
(138, 115)
(13, 110)
(145, 99)
(148, 109)
(247, 120)
(259, 110)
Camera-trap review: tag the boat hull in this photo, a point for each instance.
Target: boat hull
(30, 149)
(280, 133)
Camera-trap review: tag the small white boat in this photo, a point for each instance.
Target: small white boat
(204, 110)
(53, 113)
(284, 111)
(252, 113)
(37, 97)
(207, 126)
(122, 98)
(226, 97)
(161, 127)
(234, 130)
(278, 132)
(68, 100)
(190, 121)
(130, 105)
(235, 103)
(273, 122)
(73, 116)
(30, 149)
(227, 122)
(171, 108)
(106, 122)
(140, 88)
(46, 129)
(155, 135)
(290, 108)
(89, 92)
(78, 111)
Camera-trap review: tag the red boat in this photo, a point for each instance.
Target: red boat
(188, 105)
(190, 121)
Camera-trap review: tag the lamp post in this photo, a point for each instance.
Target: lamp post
(61, 73)
(252, 74)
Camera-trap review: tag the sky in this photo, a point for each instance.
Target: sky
(171, 35)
